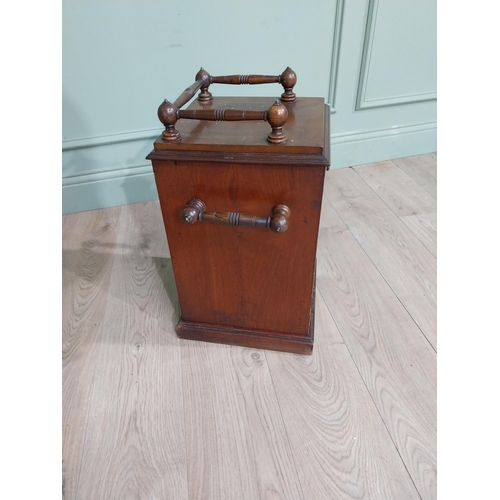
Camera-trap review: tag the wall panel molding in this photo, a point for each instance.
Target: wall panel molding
(132, 184)
(118, 173)
(135, 183)
(338, 42)
(334, 63)
(107, 170)
(361, 101)
(107, 139)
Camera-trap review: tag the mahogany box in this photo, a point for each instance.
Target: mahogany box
(241, 205)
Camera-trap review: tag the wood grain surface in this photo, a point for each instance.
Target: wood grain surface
(236, 440)
(424, 227)
(149, 416)
(334, 428)
(304, 128)
(397, 364)
(135, 437)
(241, 262)
(397, 190)
(87, 260)
(404, 262)
(406, 198)
(422, 169)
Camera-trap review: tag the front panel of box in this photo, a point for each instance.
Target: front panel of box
(243, 277)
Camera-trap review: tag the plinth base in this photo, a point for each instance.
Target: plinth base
(222, 334)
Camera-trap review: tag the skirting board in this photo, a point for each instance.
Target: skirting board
(352, 149)
(135, 185)
(109, 191)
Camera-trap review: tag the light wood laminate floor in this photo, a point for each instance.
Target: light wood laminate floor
(149, 416)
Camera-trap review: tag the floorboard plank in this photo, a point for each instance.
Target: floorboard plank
(88, 240)
(424, 227)
(236, 441)
(135, 437)
(405, 263)
(330, 218)
(398, 190)
(338, 440)
(407, 199)
(396, 363)
(422, 169)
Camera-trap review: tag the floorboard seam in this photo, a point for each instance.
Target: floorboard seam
(283, 422)
(383, 277)
(374, 403)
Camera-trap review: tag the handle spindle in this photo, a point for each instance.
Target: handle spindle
(276, 115)
(195, 210)
(288, 79)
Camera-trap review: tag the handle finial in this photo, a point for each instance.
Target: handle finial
(277, 115)
(168, 116)
(288, 79)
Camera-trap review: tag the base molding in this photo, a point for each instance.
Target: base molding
(222, 334)
(257, 339)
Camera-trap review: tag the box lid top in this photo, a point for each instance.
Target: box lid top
(304, 128)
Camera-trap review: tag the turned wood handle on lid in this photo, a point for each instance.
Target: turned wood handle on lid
(276, 115)
(195, 211)
(288, 79)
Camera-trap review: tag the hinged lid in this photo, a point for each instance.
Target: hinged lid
(300, 127)
(306, 129)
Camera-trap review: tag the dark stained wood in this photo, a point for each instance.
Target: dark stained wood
(167, 113)
(250, 158)
(187, 95)
(232, 275)
(276, 115)
(204, 95)
(195, 210)
(288, 79)
(221, 114)
(239, 284)
(207, 157)
(245, 79)
(304, 129)
(246, 338)
(252, 338)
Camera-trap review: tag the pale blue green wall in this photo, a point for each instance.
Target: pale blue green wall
(373, 60)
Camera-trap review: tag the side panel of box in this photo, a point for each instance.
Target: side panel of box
(249, 278)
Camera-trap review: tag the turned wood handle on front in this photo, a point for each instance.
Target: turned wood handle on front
(195, 210)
